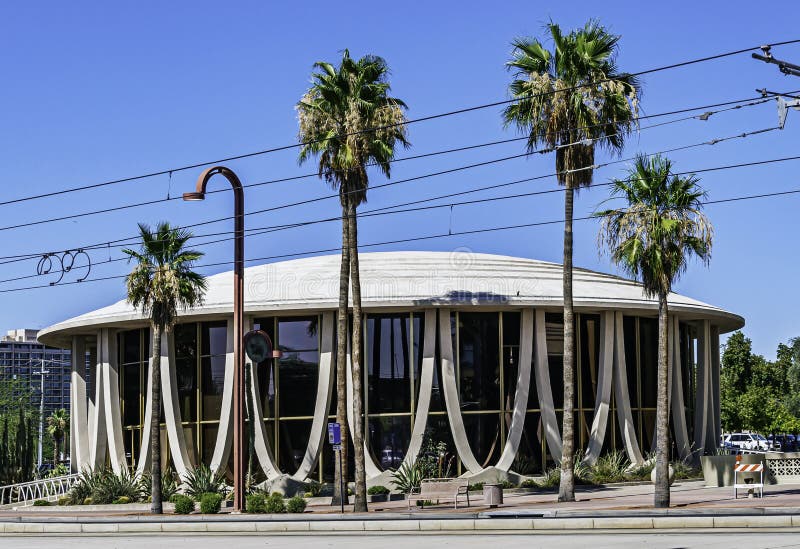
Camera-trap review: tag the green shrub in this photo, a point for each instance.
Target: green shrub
(610, 467)
(63, 500)
(641, 471)
(296, 505)
(173, 498)
(684, 471)
(552, 478)
(122, 500)
(41, 503)
(477, 487)
(314, 488)
(377, 490)
(256, 503)
(308, 495)
(529, 483)
(183, 505)
(87, 501)
(210, 503)
(275, 503)
(58, 471)
(202, 480)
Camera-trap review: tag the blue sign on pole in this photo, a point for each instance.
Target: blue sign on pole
(334, 434)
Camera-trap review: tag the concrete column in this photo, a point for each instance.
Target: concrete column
(325, 385)
(222, 447)
(622, 395)
(112, 409)
(78, 411)
(541, 370)
(715, 426)
(97, 417)
(144, 461)
(521, 394)
(181, 454)
(702, 413)
(602, 403)
(677, 400)
(451, 397)
(425, 387)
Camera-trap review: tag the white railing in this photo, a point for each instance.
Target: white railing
(26, 493)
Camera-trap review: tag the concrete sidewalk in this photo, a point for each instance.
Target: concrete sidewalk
(606, 508)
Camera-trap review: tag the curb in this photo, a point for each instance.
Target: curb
(454, 526)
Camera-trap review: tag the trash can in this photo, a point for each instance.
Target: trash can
(492, 494)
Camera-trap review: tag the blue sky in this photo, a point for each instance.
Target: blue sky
(96, 90)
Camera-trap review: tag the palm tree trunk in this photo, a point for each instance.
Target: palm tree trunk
(661, 498)
(155, 424)
(341, 365)
(358, 382)
(566, 488)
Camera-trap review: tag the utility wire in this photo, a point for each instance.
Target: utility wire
(407, 122)
(703, 116)
(412, 239)
(125, 241)
(382, 211)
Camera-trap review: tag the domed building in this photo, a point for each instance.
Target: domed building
(462, 350)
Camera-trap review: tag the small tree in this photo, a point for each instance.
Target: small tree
(161, 283)
(57, 425)
(652, 238)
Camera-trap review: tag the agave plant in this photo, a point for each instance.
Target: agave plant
(112, 486)
(202, 480)
(85, 486)
(407, 477)
(169, 485)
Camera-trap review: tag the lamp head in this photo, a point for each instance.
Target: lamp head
(194, 196)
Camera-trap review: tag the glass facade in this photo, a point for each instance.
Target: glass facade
(486, 347)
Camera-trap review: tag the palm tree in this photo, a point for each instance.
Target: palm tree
(652, 238)
(57, 424)
(350, 122)
(162, 282)
(571, 99)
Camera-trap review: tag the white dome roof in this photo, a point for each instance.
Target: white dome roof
(409, 280)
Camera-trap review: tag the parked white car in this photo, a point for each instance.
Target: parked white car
(746, 441)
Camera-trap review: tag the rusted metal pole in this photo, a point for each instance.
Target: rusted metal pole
(238, 323)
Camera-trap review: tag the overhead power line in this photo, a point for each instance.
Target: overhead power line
(127, 241)
(704, 116)
(290, 146)
(410, 239)
(401, 208)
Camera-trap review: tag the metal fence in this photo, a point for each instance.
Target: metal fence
(26, 493)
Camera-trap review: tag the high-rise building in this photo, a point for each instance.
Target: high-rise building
(22, 358)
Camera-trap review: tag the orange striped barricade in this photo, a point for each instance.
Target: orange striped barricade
(741, 468)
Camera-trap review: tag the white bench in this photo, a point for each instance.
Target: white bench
(742, 468)
(438, 489)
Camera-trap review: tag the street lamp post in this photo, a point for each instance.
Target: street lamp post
(238, 322)
(41, 373)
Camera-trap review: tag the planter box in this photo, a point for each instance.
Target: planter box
(718, 470)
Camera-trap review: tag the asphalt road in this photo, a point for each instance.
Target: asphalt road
(712, 540)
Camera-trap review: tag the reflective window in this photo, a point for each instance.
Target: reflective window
(389, 383)
(479, 361)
